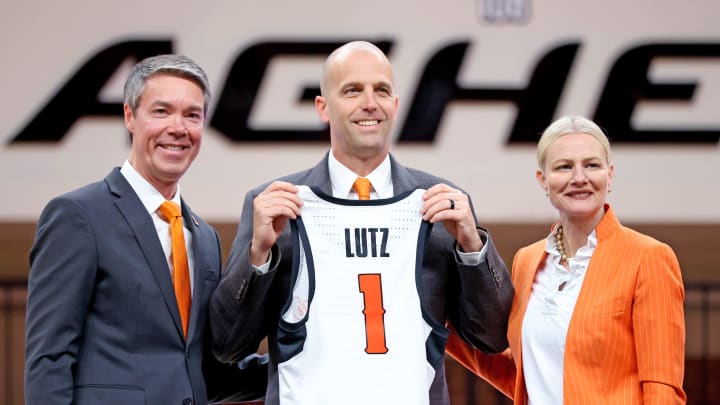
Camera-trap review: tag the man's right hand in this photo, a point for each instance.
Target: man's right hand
(271, 210)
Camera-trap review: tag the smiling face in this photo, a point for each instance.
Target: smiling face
(577, 176)
(359, 103)
(167, 130)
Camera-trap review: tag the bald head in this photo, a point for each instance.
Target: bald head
(359, 103)
(338, 58)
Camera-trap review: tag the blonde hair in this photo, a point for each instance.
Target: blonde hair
(566, 125)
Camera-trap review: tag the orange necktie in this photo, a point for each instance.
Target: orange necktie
(362, 187)
(181, 272)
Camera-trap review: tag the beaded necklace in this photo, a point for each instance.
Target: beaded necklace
(559, 244)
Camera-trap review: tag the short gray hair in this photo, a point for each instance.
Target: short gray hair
(175, 65)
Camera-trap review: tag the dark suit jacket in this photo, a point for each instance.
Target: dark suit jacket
(246, 306)
(103, 326)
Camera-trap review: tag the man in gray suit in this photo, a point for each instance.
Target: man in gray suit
(463, 280)
(103, 322)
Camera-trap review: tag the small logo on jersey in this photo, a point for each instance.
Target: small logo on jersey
(374, 246)
(300, 308)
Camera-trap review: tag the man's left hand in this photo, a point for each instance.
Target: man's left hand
(452, 207)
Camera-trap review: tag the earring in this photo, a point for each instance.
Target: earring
(609, 190)
(547, 193)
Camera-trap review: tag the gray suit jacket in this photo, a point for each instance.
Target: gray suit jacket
(103, 326)
(246, 306)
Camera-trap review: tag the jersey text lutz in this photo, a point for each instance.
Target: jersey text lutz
(361, 242)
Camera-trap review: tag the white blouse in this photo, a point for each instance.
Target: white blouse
(550, 307)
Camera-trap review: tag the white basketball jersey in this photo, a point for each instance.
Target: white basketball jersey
(354, 331)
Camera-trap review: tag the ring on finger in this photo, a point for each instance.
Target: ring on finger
(452, 204)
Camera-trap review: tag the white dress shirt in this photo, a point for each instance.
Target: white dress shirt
(547, 317)
(152, 200)
(342, 180)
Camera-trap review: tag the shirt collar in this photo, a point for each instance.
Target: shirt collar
(342, 178)
(584, 252)
(149, 196)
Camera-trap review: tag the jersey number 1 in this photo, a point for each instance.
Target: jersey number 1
(371, 288)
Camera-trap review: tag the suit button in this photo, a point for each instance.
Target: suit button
(187, 401)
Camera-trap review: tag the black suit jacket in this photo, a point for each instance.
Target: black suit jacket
(476, 299)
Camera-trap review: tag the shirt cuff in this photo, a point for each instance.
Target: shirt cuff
(471, 258)
(263, 268)
(474, 258)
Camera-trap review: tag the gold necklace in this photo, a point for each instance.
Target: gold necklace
(559, 244)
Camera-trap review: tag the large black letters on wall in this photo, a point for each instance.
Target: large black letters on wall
(627, 84)
(78, 97)
(232, 112)
(536, 103)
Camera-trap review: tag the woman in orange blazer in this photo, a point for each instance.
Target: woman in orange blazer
(597, 316)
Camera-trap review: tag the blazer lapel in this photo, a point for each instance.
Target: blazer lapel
(141, 223)
(528, 260)
(598, 277)
(524, 282)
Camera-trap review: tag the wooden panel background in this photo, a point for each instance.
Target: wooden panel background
(697, 247)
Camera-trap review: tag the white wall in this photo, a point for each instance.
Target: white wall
(42, 43)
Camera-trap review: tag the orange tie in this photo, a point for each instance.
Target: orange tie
(362, 187)
(181, 272)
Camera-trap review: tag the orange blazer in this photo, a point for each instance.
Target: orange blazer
(626, 339)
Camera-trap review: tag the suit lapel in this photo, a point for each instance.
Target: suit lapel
(200, 255)
(401, 178)
(142, 226)
(319, 176)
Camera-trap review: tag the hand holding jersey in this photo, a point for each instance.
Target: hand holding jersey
(271, 210)
(452, 207)
(353, 295)
(279, 202)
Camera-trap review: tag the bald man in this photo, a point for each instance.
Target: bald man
(353, 285)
